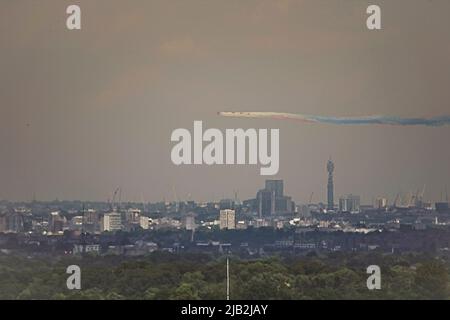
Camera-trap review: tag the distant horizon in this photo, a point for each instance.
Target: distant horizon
(390, 199)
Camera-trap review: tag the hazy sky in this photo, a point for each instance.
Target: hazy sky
(83, 112)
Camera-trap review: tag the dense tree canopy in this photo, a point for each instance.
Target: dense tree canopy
(200, 276)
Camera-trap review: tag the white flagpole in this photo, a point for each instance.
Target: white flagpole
(228, 279)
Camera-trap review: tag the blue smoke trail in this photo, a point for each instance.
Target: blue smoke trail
(368, 120)
(396, 121)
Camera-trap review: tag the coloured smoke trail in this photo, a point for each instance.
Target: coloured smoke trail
(365, 120)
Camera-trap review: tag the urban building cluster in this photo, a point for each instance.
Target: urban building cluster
(89, 227)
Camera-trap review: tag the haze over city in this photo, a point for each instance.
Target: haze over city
(85, 112)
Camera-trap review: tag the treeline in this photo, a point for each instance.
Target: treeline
(201, 276)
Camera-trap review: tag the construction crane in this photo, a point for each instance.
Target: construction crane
(396, 200)
(175, 196)
(409, 199)
(143, 202)
(422, 193)
(114, 198)
(418, 197)
(310, 198)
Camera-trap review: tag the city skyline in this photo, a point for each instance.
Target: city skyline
(271, 184)
(274, 186)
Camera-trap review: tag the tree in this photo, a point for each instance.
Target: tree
(432, 280)
(268, 286)
(185, 291)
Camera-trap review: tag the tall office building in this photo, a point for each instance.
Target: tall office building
(143, 222)
(265, 201)
(271, 200)
(330, 187)
(226, 204)
(275, 186)
(11, 222)
(56, 222)
(380, 203)
(227, 219)
(132, 216)
(112, 222)
(349, 203)
(91, 221)
(190, 222)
